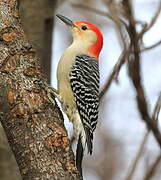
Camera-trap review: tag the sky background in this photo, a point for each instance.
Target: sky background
(118, 110)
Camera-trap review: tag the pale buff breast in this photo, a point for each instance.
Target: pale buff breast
(64, 67)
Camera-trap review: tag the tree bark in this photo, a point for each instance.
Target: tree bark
(34, 127)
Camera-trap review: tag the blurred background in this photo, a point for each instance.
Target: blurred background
(123, 147)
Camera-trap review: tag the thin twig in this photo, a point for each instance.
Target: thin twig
(157, 109)
(152, 169)
(147, 27)
(155, 17)
(120, 24)
(151, 47)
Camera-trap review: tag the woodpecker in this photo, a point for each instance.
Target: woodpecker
(78, 83)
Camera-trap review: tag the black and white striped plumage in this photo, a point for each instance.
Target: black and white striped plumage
(84, 80)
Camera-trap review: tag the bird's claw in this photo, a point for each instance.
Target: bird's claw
(50, 91)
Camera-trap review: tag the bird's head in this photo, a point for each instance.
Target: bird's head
(86, 34)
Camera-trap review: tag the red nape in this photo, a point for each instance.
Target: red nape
(95, 49)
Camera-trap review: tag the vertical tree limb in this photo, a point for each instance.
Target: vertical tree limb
(34, 127)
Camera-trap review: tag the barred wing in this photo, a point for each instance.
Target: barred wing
(84, 79)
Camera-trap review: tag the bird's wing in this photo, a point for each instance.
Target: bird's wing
(84, 79)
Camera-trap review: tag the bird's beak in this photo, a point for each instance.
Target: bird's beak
(67, 21)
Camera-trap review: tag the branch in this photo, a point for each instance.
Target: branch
(134, 72)
(152, 46)
(121, 26)
(155, 17)
(157, 109)
(147, 27)
(153, 168)
(34, 127)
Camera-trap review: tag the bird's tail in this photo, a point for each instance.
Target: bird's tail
(82, 142)
(89, 139)
(79, 156)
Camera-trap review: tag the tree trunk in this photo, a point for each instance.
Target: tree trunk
(34, 127)
(41, 36)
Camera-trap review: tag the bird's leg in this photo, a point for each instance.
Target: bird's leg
(51, 92)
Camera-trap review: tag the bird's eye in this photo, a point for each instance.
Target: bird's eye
(84, 28)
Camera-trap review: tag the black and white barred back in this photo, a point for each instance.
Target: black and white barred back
(84, 79)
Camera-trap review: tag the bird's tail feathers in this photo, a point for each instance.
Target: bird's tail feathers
(81, 146)
(89, 138)
(79, 155)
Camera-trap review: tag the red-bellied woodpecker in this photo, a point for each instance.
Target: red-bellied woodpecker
(78, 82)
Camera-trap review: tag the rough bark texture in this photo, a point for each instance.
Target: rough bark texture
(34, 127)
(38, 15)
(37, 19)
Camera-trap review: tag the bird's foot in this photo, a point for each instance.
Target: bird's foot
(50, 91)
